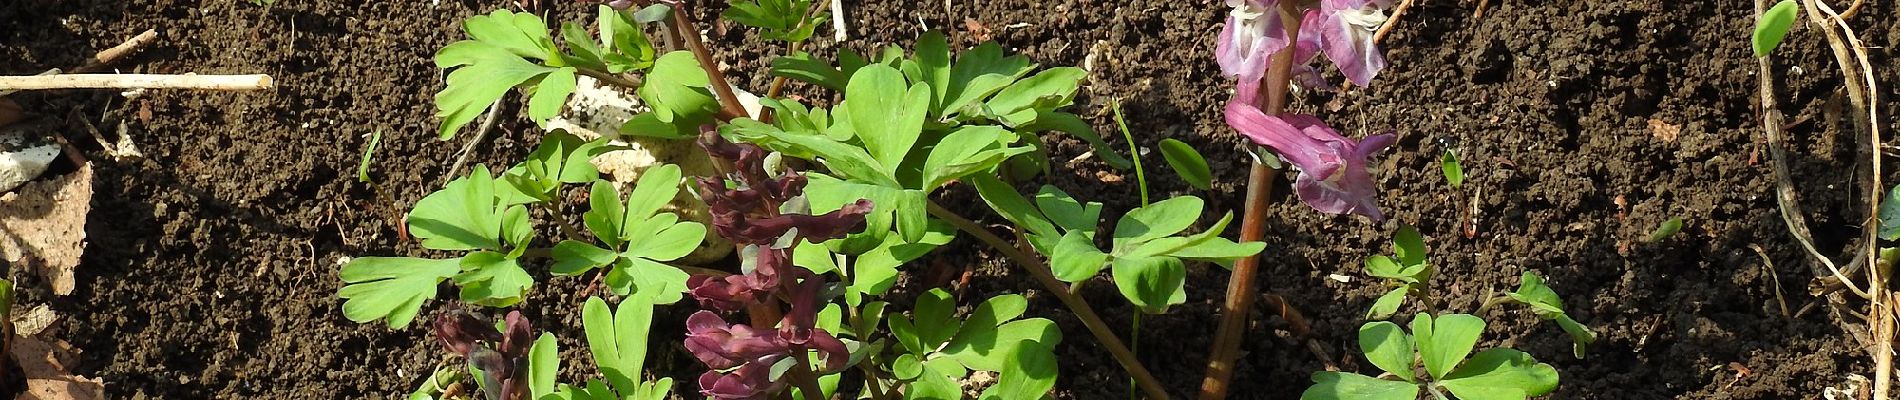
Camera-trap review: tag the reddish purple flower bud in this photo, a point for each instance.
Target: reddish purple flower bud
(750, 382)
(721, 345)
(462, 332)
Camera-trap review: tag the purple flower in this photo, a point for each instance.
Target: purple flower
(1341, 29)
(1333, 175)
(1344, 30)
(1252, 34)
(721, 345)
(750, 382)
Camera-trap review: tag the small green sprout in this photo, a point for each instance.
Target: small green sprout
(1442, 344)
(1667, 229)
(1454, 172)
(1773, 27)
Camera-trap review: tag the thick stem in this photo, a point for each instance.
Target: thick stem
(729, 106)
(807, 381)
(1240, 284)
(1081, 308)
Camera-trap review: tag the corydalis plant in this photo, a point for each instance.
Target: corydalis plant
(765, 213)
(1333, 172)
(501, 356)
(1343, 30)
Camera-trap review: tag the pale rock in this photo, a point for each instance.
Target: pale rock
(24, 154)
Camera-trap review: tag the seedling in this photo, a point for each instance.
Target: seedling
(939, 350)
(1408, 273)
(1454, 172)
(1773, 27)
(1666, 229)
(1442, 344)
(1544, 302)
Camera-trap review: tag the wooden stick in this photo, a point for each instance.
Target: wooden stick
(107, 56)
(1386, 29)
(135, 81)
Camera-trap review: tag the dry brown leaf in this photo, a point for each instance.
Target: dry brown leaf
(43, 226)
(45, 365)
(978, 32)
(1664, 130)
(10, 112)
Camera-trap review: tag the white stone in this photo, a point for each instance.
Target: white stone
(23, 157)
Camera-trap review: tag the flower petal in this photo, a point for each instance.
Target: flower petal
(1349, 43)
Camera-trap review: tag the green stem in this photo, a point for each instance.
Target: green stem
(610, 78)
(1134, 153)
(1036, 268)
(1134, 345)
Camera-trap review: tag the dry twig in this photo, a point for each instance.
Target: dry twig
(136, 81)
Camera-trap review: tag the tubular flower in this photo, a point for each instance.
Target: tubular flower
(1252, 34)
(753, 210)
(500, 355)
(1333, 168)
(1343, 30)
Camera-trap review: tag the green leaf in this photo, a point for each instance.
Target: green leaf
(1580, 336)
(632, 49)
(662, 283)
(1074, 125)
(906, 334)
(676, 89)
(551, 95)
(1443, 342)
(653, 13)
(962, 153)
(1188, 163)
(461, 216)
(875, 271)
(1383, 267)
(933, 64)
(907, 367)
(886, 116)
(670, 244)
(523, 34)
(845, 160)
(1773, 27)
(1667, 229)
(486, 73)
(492, 279)
(934, 317)
(1501, 374)
(1013, 206)
(1075, 258)
(543, 362)
(1217, 249)
(1454, 173)
(606, 215)
(1409, 245)
(888, 204)
(574, 257)
(1388, 303)
(1047, 90)
(1029, 373)
(618, 340)
(1349, 386)
(1067, 212)
(995, 311)
(1160, 219)
(989, 349)
(934, 387)
(391, 288)
(804, 67)
(1890, 215)
(979, 73)
(1387, 346)
(362, 169)
(1152, 283)
(516, 228)
(656, 187)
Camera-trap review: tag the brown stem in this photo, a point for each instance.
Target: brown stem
(1076, 304)
(729, 106)
(611, 79)
(1240, 284)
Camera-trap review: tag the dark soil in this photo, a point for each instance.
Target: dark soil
(211, 268)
